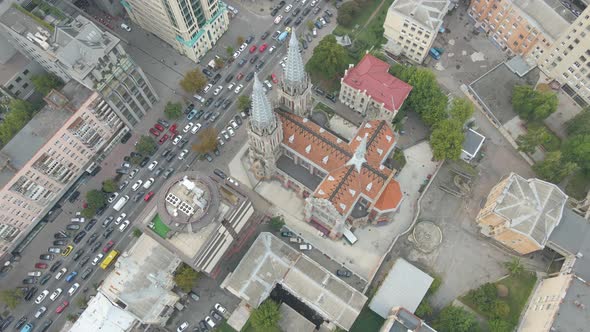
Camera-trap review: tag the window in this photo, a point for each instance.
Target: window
(25, 72)
(26, 85)
(10, 87)
(18, 79)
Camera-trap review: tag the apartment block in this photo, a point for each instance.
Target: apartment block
(520, 26)
(568, 60)
(74, 48)
(49, 154)
(192, 27)
(412, 25)
(15, 73)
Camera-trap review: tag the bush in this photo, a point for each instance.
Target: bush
(498, 325)
(424, 309)
(500, 309)
(277, 223)
(484, 297)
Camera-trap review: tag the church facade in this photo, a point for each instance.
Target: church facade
(344, 183)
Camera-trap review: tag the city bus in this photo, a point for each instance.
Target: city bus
(107, 261)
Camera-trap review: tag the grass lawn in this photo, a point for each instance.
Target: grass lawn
(362, 17)
(367, 321)
(520, 288)
(578, 185)
(224, 327)
(368, 33)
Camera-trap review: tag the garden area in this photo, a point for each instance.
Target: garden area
(367, 320)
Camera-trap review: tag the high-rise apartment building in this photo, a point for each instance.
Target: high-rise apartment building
(192, 27)
(568, 60)
(49, 154)
(411, 26)
(76, 48)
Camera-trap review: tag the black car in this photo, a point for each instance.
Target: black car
(166, 152)
(199, 114)
(86, 272)
(46, 325)
(208, 157)
(274, 12)
(55, 266)
(107, 221)
(96, 246)
(170, 157)
(45, 279)
(328, 12)
(298, 20)
(91, 239)
(122, 171)
(84, 261)
(108, 232)
(208, 102)
(90, 224)
(217, 103)
(144, 161)
(188, 109)
(135, 154)
(259, 65)
(304, 44)
(215, 115)
(74, 196)
(46, 257)
(158, 171)
(254, 59)
(327, 18)
(249, 77)
(125, 138)
(306, 11)
(264, 35)
(78, 254)
(216, 315)
(281, 4)
(226, 104)
(343, 273)
(220, 173)
(30, 293)
(216, 152)
(331, 97)
(287, 234)
(6, 323)
(182, 143)
(59, 242)
(61, 235)
(238, 120)
(229, 78)
(275, 34)
(79, 237)
(296, 12)
(249, 39)
(207, 72)
(168, 172)
(21, 322)
(29, 281)
(100, 211)
(319, 91)
(288, 21)
(216, 78)
(203, 326)
(242, 62)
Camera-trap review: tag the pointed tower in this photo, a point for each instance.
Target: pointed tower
(265, 134)
(358, 159)
(294, 92)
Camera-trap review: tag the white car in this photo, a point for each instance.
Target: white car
(182, 327)
(243, 47)
(283, 64)
(182, 154)
(125, 27)
(40, 312)
(237, 54)
(113, 197)
(288, 8)
(73, 289)
(268, 84)
(133, 172)
(231, 86)
(195, 128)
(313, 3)
(41, 296)
(61, 273)
(124, 225)
(176, 139)
(233, 181)
(120, 218)
(278, 19)
(272, 49)
(210, 321)
(97, 258)
(234, 124)
(199, 98)
(208, 87)
(55, 294)
(219, 308)
(153, 165)
(187, 127)
(148, 183)
(225, 135)
(217, 90)
(239, 88)
(231, 131)
(306, 246)
(136, 185)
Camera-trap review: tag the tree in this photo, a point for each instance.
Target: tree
(514, 266)
(193, 81)
(500, 309)
(461, 109)
(554, 168)
(424, 309)
(534, 137)
(533, 105)
(11, 297)
(577, 150)
(455, 319)
(19, 115)
(137, 232)
(229, 50)
(446, 140)
(579, 124)
(109, 186)
(244, 102)
(82, 302)
(310, 25)
(146, 145)
(136, 160)
(207, 140)
(329, 58)
(88, 213)
(71, 317)
(277, 223)
(499, 325)
(426, 98)
(266, 317)
(95, 199)
(219, 62)
(46, 82)
(172, 110)
(240, 40)
(346, 12)
(484, 296)
(185, 277)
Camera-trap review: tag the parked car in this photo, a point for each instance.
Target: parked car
(220, 308)
(40, 312)
(79, 254)
(108, 246)
(40, 266)
(62, 306)
(46, 257)
(45, 279)
(194, 296)
(78, 238)
(71, 276)
(55, 294)
(55, 266)
(182, 327)
(86, 273)
(61, 273)
(73, 227)
(306, 246)
(216, 315)
(56, 250)
(287, 234)
(343, 273)
(41, 297)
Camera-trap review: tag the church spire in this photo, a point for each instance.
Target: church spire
(358, 159)
(262, 115)
(294, 69)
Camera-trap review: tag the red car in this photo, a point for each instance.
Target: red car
(154, 132)
(148, 196)
(240, 76)
(253, 48)
(159, 127)
(163, 139)
(274, 78)
(172, 128)
(263, 47)
(108, 246)
(62, 307)
(40, 266)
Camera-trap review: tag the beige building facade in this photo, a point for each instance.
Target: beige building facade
(411, 26)
(43, 160)
(544, 303)
(191, 27)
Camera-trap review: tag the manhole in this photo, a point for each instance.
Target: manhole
(426, 236)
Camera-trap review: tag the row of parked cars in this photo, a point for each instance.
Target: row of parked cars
(218, 312)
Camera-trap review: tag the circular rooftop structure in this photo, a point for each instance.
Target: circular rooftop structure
(188, 201)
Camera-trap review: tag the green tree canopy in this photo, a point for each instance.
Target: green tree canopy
(455, 319)
(533, 105)
(46, 82)
(277, 223)
(346, 13)
(554, 168)
(266, 317)
(577, 150)
(229, 50)
(193, 81)
(172, 110)
(329, 59)
(514, 266)
(534, 137)
(95, 199)
(186, 278)
(19, 115)
(109, 186)
(207, 140)
(499, 325)
(461, 109)
(219, 62)
(146, 145)
(244, 102)
(11, 297)
(446, 140)
(579, 124)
